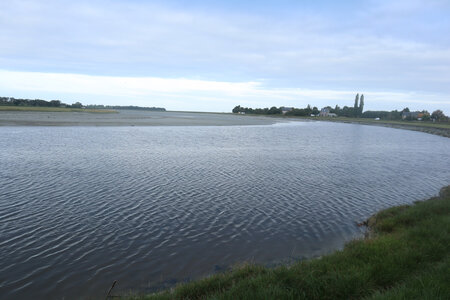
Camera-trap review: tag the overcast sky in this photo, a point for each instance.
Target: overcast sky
(214, 55)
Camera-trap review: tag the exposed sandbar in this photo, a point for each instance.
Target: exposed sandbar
(129, 118)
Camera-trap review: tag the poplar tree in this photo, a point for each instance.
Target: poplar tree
(361, 105)
(355, 107)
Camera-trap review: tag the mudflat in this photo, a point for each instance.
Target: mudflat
(129, 118)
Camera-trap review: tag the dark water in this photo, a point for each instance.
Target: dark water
(149, 206)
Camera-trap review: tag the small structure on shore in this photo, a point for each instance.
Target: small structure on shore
(325, 112)
(284, 109)
(413, 115)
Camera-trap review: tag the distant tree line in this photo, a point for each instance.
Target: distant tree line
(405, 114)
(288, 111)
(303, 112)
(357, 111)
(258, 111)
(99, 106)
(385, 115)
(9, 101)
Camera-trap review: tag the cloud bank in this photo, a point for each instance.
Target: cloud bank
(193, 95)
(245, 53)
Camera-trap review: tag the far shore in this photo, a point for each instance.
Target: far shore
(48, 116)
(82, 117)
(55, 109)
(441, 129)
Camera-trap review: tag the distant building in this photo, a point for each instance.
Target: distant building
(284, 110)
(413, 115)
(324, 112)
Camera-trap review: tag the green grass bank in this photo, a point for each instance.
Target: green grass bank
(438, 128)
(54, 109)
(406, 255)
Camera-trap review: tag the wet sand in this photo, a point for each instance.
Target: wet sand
(129, 118)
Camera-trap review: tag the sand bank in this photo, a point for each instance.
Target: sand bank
(129, 118)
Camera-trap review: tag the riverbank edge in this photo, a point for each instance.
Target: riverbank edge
(439, 129)
(431, 128)
(404, 255)
(445, 132)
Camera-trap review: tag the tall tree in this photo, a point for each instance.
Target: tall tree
(438, 115)
(355, 107)
(361, 105)
(315, 110)
(77, 105)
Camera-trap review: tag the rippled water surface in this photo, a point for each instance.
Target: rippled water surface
(150, 206)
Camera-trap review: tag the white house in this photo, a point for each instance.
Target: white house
(325, 112)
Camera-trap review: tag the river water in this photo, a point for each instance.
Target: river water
(81, 207)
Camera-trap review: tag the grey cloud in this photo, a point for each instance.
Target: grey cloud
(372, 48)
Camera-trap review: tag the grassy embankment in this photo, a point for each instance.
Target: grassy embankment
(438, 128)
(54, 109)
(405, 256)
(391, 122)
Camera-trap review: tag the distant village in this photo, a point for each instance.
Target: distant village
(405, 115)
(357, 111)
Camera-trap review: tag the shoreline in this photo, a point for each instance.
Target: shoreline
(425, 127)
(440, 129)
(127, 118)
(54, 109)
(100, 118)
(405, 252)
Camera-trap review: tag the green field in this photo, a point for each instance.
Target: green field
(406, 255)
(54, 109)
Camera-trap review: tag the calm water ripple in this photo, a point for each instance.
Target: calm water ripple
(149, 206)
